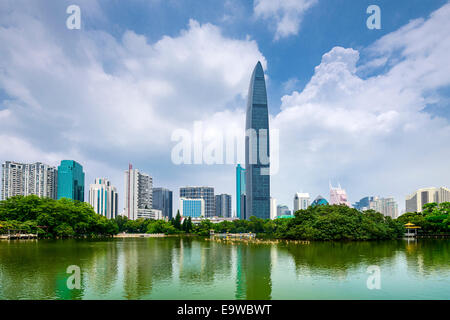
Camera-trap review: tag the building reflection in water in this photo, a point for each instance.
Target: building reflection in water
(253, 272)
(202, 262)
(144, 264)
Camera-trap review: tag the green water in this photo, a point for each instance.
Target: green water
(189, 268)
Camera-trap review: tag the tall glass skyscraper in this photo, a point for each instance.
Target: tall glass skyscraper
(257, 155)
(70, 180)
(240, 192)
(162, 200)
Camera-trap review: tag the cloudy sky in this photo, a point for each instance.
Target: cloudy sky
(368, 109)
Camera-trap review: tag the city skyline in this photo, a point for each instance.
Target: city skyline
(40, 179)
(353, 97)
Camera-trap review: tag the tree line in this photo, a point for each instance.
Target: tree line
(67, 218)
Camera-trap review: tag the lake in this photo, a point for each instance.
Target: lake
(192, 268)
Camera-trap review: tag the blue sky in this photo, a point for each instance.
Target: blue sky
(352, 105)
(326, 24)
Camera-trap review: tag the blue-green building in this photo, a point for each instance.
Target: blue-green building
(70, 180)
(240, 192)
(194, 208)
(319, 201)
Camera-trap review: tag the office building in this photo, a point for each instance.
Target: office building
(103, 197)
(319, 201)
(70, 180)
(338, 196)
(416, 201)
(27, 179)
(194, 208)
(363, 204)
(163, 200)
(223, 205)
(138, 193)
(240, 192)
(301, 201)
(154, 214)
(257, 153)
(205, 193)
(283, 210)
(386, 206)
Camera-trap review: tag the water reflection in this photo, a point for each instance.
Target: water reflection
(253, 279)
(145, 263)
(178, 268)
(337, 259)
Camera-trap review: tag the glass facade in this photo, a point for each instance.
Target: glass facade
(70, 180)
(103, 198)
(363, 204)
(240, 191)
(319, 201)
(223, 205)
(193, 208)
(205, 193)
(257, 152)
(162, 200)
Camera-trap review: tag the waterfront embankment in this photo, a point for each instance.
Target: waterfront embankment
(140, 235)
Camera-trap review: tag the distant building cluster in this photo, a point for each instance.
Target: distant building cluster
(418, 199)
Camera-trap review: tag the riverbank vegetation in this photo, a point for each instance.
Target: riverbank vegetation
(434, 218)
(317, 223)
(53, 218)
(67, 218)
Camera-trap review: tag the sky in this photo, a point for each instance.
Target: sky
(364, 108)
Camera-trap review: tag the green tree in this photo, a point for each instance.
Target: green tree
(177, 221)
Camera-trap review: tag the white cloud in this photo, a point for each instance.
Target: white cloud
(104, 101)
(371, 134)
(286, 14)
(88, 96)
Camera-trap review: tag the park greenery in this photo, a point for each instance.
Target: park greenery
(66, 218)
(434, 218)
(53, 218)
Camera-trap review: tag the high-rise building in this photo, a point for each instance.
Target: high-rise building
(154, 214)
(338, 196)
(319, 201)
(205, 193)
(257, 153)
(416, 201)
(240, 192)
(13, 179)
(283, 210)
(301, 201)
(386, 206)
(138, 193)
(70, 180)
(193, 208)
(223, 205)
(162, 200)
(103, 197)
(26, 179)
(363, 204)
(273, 208)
